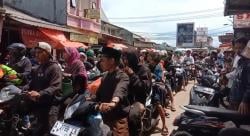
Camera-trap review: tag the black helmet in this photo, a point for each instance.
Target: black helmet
(18, 48)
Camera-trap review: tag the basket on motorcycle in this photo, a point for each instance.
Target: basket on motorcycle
(67, 87)
(203, 96)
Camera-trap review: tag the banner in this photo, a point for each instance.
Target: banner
(185, 34)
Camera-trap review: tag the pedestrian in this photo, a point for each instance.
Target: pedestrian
(240, 91)
(238, 45)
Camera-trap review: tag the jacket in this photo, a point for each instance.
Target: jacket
(47, 80)
(240, 91)
(114, 84)
(23, 68)
(140, 85)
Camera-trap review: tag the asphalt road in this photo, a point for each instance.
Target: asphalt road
(181, 98)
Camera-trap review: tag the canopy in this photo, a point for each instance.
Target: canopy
(55, 38)
(226, 47)
(117, 46)
(60, 39)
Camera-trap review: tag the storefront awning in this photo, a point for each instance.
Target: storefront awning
(55, 38)
(226, 47)
(59, 37)
(117, 45)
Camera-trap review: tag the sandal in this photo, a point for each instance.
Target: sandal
(164, 132)
(173, 109)
(167, 115)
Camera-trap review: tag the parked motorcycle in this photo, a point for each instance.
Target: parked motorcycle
(206, 121)
(81, 118)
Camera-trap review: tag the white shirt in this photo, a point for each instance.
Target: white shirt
(230, 76)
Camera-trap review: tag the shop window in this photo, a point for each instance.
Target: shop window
(73, 3)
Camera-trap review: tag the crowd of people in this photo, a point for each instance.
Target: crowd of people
(127, 79)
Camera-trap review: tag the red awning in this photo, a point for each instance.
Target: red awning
(60, 39)
(55, 38)
(226, 47)
(117, 45)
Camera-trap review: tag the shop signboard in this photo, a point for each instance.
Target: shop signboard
(242, 20)
(84, 38)
(31, 37)
(92, 13)
(185, 35)
(201, 34)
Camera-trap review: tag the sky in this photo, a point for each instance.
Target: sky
(158, 19)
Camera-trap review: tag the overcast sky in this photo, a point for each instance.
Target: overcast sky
(160, 18)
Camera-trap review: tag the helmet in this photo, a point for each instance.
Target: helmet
(90, 53)
(18, 48)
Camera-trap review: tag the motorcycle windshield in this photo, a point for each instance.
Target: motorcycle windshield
(70, 110)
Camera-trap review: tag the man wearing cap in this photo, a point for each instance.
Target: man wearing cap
(112, 93)
(240, 91)
(238, 45)
(44, 86)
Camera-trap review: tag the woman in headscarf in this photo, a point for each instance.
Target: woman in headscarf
(75, 68)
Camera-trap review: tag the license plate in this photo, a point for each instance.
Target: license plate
(63, 129)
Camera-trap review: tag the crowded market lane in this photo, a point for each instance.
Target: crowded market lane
(181, 98)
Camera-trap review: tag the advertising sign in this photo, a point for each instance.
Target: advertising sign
(185, 34)
(242, 20)
(92, 13)
(201, 34)
(84, 38)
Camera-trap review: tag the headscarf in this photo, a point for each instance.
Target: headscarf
(73, 54)
(84, 55)
(76, 66)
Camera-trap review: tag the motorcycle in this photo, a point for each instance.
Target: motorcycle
(81, 118)
(10, 117)
(150, 118)
(206, 121)
(180, 77)
(207, 91)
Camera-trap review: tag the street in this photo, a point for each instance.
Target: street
(181, 99)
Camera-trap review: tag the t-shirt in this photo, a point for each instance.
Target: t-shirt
(189, 59)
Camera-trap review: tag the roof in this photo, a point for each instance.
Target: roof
(103, 16)
(29, 20)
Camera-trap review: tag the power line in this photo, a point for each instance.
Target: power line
(172, 19)
(167, 15)
(174, 32)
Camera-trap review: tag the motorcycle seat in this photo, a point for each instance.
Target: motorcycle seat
(220, 113)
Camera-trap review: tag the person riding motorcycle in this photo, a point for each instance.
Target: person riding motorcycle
(156, 69)
(112, 92)
(139, 88)
(19, 62)
(188, 58)
(9, 75)
(43, 89)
